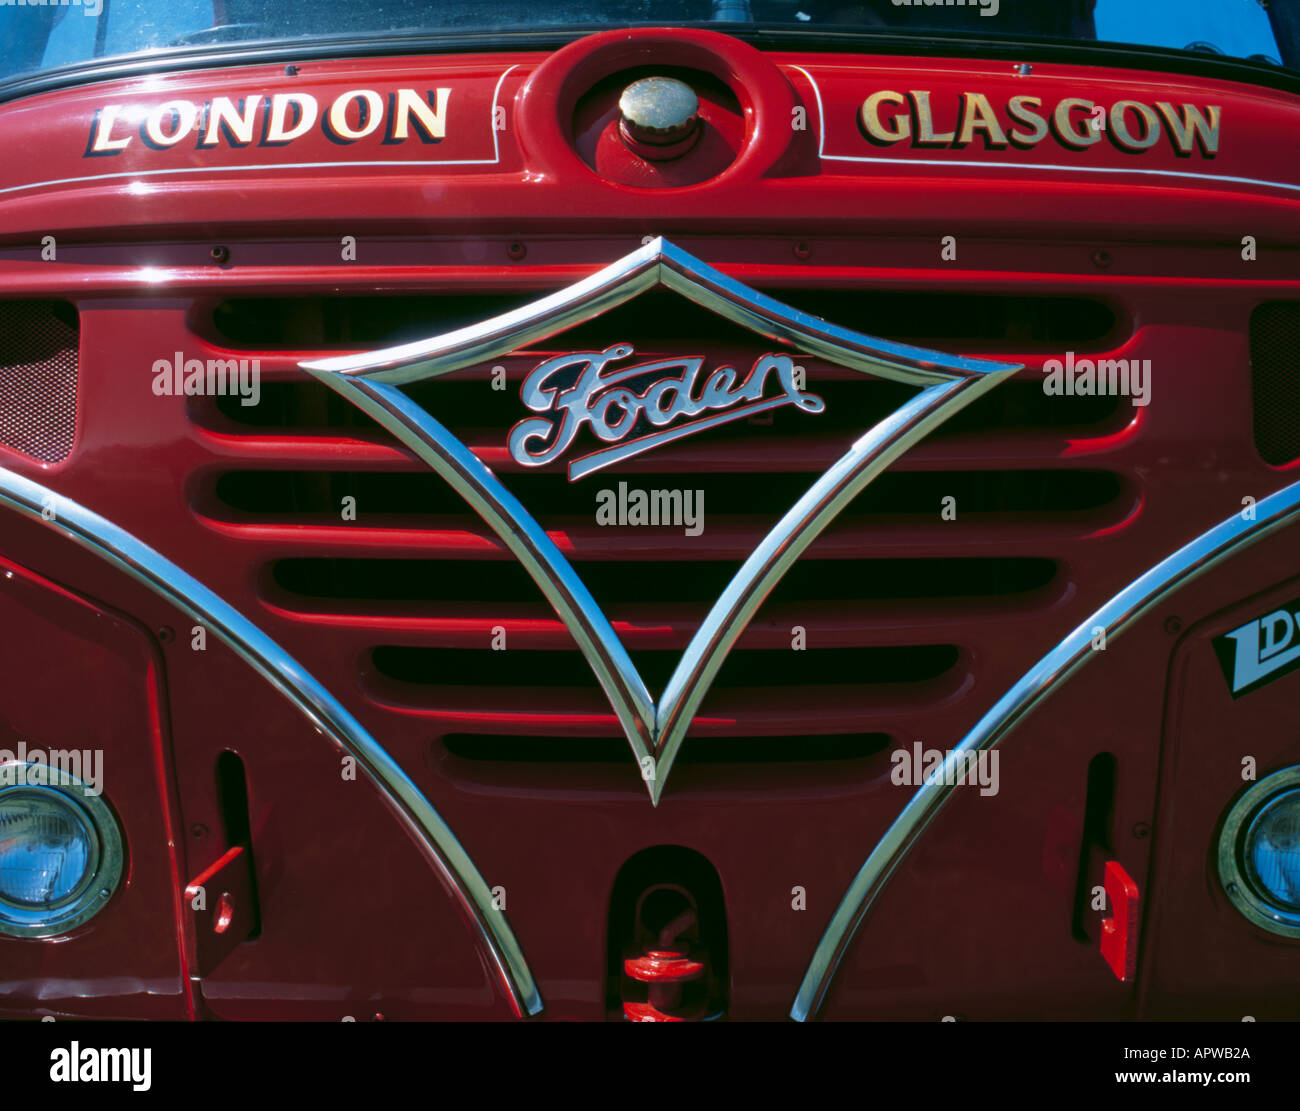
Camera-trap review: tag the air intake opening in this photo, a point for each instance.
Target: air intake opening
(39, 345)
(667, 905)
(414, 495)
(413, 581)
(316, 323)
(1019, 323)
(803, 749)
(459, 667)
(467, 407)
(1099, 805)
(232, 800)
(1275, 380)
(340, 323)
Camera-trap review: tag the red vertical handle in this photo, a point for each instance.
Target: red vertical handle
(1119, 932)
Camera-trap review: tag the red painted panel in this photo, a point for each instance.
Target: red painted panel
(75, 675)
(1202, 958)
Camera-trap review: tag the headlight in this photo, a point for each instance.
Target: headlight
(60, 853)
(1259, 853)
(1273, 849)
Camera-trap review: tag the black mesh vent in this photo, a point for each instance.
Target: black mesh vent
(38, 378)
(1275, 379)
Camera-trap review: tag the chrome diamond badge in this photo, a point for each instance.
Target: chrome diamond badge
(685, 399)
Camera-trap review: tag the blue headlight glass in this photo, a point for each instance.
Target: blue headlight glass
(47, 848)
(1273, 849)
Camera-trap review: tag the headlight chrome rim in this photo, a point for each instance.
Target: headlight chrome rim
(1240, 883)
(104, 867)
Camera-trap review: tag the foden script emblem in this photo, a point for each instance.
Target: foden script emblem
(678, 402)
(598, 398)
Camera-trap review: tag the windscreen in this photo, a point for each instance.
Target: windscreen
(38, 35)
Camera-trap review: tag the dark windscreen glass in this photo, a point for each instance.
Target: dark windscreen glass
(43, 34)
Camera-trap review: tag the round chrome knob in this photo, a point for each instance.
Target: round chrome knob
(659, 112)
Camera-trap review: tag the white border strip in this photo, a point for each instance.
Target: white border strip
(985, 164)
(391, 163)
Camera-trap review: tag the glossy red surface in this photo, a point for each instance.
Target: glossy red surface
(78, 676)
(352, 920)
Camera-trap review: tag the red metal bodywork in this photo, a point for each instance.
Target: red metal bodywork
(977, 923)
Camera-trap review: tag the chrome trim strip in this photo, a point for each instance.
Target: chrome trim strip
(789, 539)
(527, 541)
(125, 551)
(972, 163)
(1116, 616)
(658, 263)
(655, 733)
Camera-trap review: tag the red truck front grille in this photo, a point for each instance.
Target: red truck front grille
(891, 614)
(914, 625)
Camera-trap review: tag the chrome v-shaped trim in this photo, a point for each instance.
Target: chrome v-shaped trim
(1154, 586)
(655, 731)
(127, 552)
